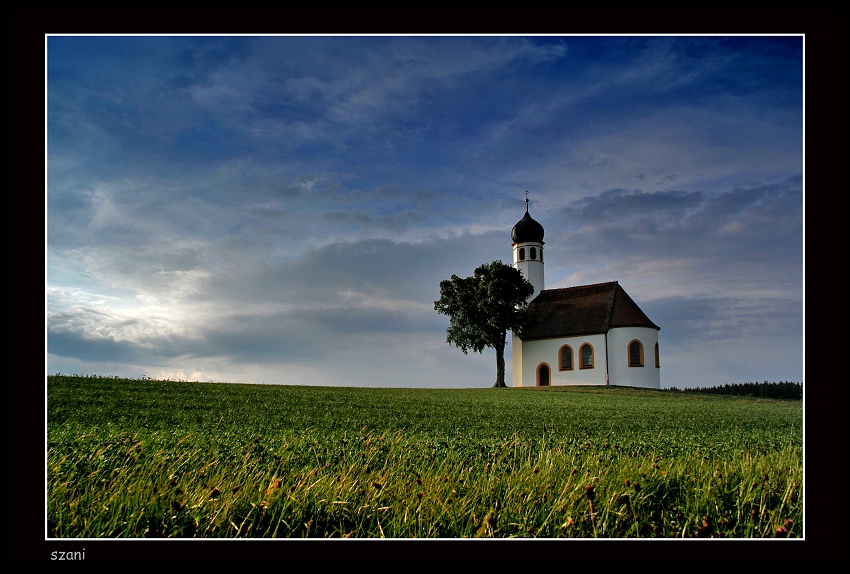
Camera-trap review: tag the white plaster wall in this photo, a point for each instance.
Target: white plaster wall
(546, 351)
(516, 361)
(527, 356)
(618, 361)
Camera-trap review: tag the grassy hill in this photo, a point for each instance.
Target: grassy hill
(170, 459)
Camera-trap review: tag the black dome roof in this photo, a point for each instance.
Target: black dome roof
(527, 230)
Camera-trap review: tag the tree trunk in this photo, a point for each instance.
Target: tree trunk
(500, 364)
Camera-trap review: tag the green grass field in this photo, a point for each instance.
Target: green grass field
(171, 459)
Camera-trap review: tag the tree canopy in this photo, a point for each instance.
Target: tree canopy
(483, 307)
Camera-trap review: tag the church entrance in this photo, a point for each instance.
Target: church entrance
(543, 375)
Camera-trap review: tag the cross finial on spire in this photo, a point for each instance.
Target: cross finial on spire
(526, 201)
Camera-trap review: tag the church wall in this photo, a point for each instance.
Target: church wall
(546, 351)
(527, 356)
(618, 361)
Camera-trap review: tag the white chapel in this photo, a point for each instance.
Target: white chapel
(585, 335)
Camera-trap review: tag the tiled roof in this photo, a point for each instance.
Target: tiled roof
(583, 310)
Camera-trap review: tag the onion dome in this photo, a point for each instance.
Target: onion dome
(527, 229)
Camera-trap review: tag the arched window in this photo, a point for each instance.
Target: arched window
(565, 356)
(586, 356)
(543, 375)
(657, 357)
(522, 253)
(635, 354)
(534, 253)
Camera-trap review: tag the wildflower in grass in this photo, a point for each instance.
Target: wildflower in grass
(783, 530)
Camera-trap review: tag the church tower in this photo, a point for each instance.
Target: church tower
(527, 237)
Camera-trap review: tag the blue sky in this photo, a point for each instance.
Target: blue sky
(281, 209)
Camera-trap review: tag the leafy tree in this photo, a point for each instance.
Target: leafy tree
(483, 307)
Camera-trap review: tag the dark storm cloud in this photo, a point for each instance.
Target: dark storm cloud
(374, 269)
(749, 222)
(688, 321)
(83, 347)
(357, 221)
(91, 335)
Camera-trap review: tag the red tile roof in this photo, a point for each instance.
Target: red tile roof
(583, 310)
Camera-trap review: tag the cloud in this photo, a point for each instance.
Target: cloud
(749, 239)
(283, 208)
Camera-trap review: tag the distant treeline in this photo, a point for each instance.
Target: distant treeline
(782, 390)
